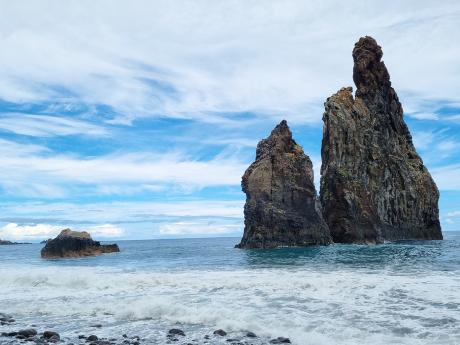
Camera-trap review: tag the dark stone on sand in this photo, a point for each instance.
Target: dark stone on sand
(251, 335)
(27, 333)
(51, 336)
(75, 244)
(176, 331)
(280, 340)
(92, 338)
(220, 332)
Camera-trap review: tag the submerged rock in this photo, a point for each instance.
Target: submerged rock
(75, 244)
(281, 202)
(374, 186)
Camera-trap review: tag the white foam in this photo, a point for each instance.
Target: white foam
(310, 307)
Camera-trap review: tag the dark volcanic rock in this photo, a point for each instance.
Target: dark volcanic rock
(51, 336)
(176, 331)
(374, 186)
(220, 332)
(281, 203)
(75, 244)
(280, 340)
(27, 333)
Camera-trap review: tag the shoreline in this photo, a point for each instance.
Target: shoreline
(34, 334)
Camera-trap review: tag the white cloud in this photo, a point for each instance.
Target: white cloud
(26, 232)
(133, 219)
(206, 57)
(198, 228)
(446, 177)
(105, 230)
(13, 231)
(26, 171)
(66, 213)
(47, 126)
(424, 116)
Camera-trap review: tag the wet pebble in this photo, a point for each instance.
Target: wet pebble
(92, 338)
(280, 340)
(251, 335)
(176, 331)
(220, 332)
(27, 333)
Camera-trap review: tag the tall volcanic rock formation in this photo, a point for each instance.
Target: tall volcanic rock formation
(281, 207)
(374, 186)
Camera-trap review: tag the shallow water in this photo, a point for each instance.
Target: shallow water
(396, 293)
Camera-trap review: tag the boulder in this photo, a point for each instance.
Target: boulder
(374, 186)
(282, 208)
(75, 244)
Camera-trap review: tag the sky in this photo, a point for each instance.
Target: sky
(136, 119)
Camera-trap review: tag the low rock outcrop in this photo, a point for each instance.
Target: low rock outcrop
(75, 244)
(281, 207)
(374, 186)
(7, 243)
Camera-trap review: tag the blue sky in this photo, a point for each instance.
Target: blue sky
(137, 120)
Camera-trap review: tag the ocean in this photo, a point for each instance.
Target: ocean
(395, 293)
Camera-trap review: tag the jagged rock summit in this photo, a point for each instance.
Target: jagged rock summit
(75, 244)
(374, 186)
(281, 207)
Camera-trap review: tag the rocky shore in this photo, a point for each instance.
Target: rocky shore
(35, 335)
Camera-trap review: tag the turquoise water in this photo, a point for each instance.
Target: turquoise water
(398, 293)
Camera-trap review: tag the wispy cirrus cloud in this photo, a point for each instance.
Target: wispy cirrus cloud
(26, 171)
(269, 58)
(446, 177)
(193, 228)
(48, 126)
(135, 219)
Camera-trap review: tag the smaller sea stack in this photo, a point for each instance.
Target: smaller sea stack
(73, 244)
(282, 208)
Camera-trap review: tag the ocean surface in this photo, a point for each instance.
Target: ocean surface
(396, 293)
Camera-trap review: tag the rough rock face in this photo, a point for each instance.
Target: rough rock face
(374, 186)
(281, 204)
(75, 244)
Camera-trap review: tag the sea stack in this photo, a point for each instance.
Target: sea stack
(71, 244)
(374, 186)
(282, 208)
